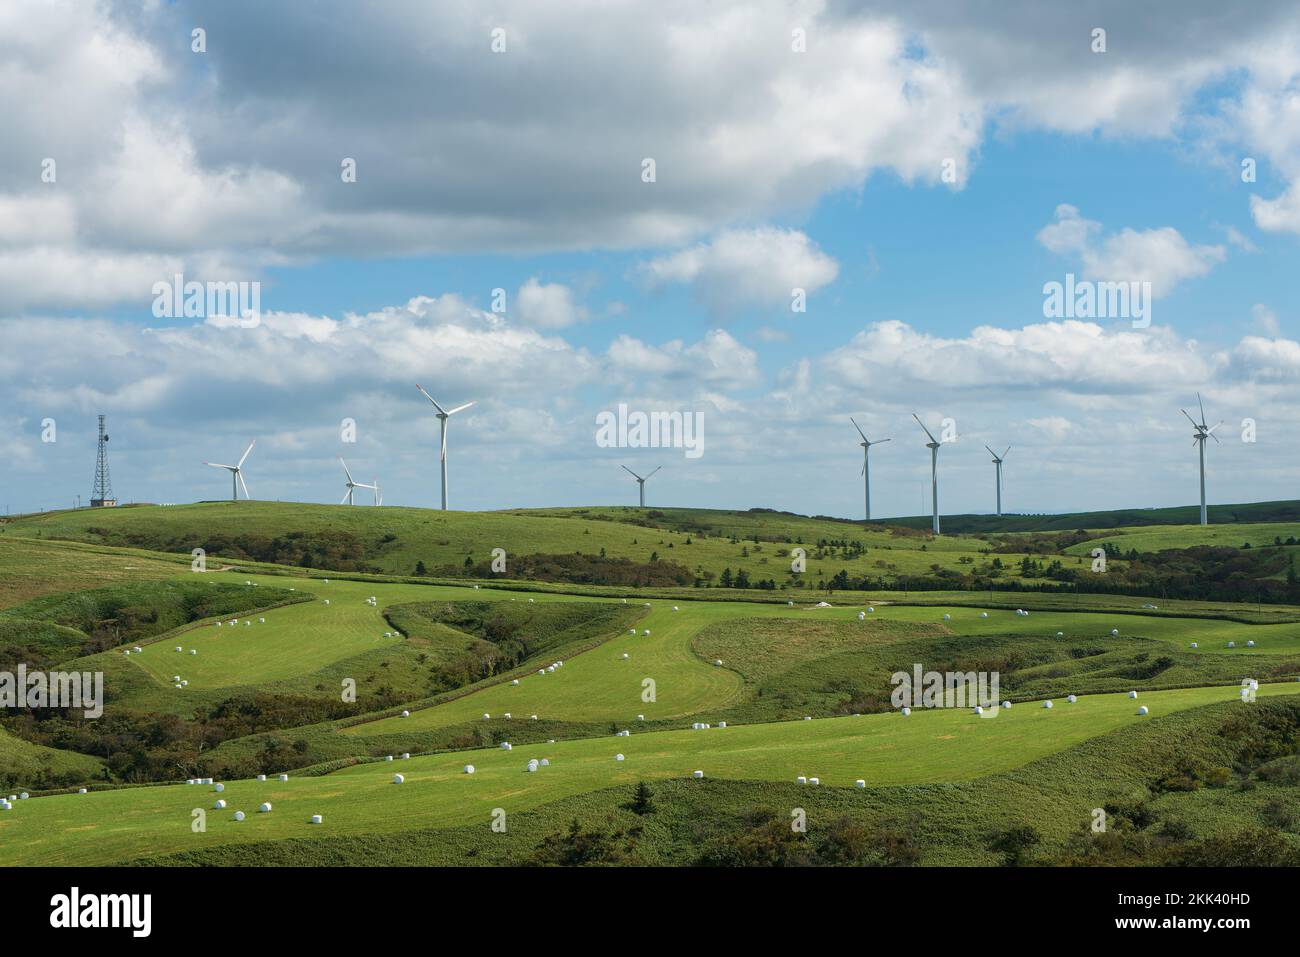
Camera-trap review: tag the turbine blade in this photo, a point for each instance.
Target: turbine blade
(859, 428)
(1004, 454)
(922, 425)
(1202, 405)
(460, 408)
(657, 468)
(217, 465)
(345, 468)
(631, 473)
(991, 452)
(240, 475)
(344, 499)
(880, 441)
(1189, 418)
(246, 451)
(430, 398)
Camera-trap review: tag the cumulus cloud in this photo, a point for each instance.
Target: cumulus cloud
(741, 267)
(1160, 256)
(548, 305)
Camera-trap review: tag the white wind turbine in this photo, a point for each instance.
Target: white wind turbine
(236, 475)
(933, 446)
(866, 444)
(640, 482)
(997, 462)
(1198, 438)
(443, 416)
(347, 498)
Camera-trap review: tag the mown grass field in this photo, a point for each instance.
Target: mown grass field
(1157, 538)
(30, 568)
(929, 747)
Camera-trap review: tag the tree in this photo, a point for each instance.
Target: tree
(642, 800)
(420, 569)
(1014, 843)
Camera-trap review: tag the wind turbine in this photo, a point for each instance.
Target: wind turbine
(347, 498)
(933, 446)
(997, 461)
(236, 476)
(1198, 438)
(640, 482)
(866, 444)
(443, 416)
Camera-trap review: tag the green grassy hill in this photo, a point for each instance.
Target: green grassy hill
(1250, 512)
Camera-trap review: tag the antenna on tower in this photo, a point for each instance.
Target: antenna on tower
(102, 495)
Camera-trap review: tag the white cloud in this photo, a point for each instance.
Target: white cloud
(1160, 256)
(742, 267)
(549, 306)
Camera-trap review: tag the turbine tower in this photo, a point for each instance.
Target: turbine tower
(640, 482)
(236, 475)
(347, 498)
(933, 446)
(102, 494)
(1198, 438)
(866, 444)
(997, 462)
(443, 416)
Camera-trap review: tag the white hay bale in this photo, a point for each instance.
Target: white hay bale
(814, 781)
(261, 621)
(406, 755)
(1132, 694)
(515, 681)
(1142, 710)
(398, 779)
(218, 787)
(1232, 644)
(532, 765)
(546, 762)
(81, 790)
(790, 603)
(1195, 645)
(176, 678)
(284, 777)
(205, 780)
(261, 777)
(722, 724)
(1006, 705)
(984, 614)
(487, 717)
(647, 604)
(239, 815)
(178, 647)
(1114, 632)
(191, 781)
(1250, 644)
(979, 709)
(469, 769)
(264, 807)
(137, 649)
(947, 617)
(631, 631)
(406, 714)
(906, 712)
(807, 717)
(532, 717)
(541, 671)
(618, 757)
(871, 610)
(1060, 634)
(1047, 704)
(862, 615)
(507, 715)
(640, 717)
(674, 607)
(316, 819)
(177, 686)
(506, 746)
(860, 783)
(388, 758)
(327, 601)
(194, 651)
(1071, 698)
(717, 662)
(24, 796)
(801, 780)
(220, 805)
(646, 633)
(626, 656)
(697, 774)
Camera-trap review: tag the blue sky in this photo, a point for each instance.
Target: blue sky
(520, 170)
